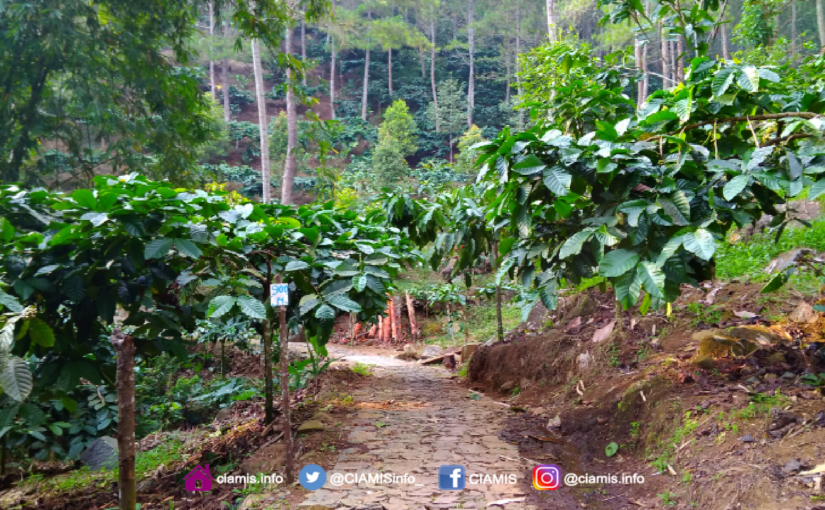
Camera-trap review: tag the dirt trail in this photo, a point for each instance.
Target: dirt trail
(412, 419)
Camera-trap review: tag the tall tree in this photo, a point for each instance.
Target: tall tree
(304, 48)
(820, 21)
(225, 77)
(263, 119)
(550, 6)
(211, 62)
(433, 5)
(451, 109)
(471, 82)
(290, 163)
(365, 90)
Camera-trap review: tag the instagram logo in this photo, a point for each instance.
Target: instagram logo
(546, 477)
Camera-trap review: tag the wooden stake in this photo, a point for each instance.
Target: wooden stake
(127, 484)
(411, 314)
(396, 312)
(285, 394)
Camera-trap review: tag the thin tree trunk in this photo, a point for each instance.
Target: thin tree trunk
(637, 53)
(225, 79)
(725, 41)
(389, 69)
(285, 411)
(646, 79)
(551, 19)
(820, 21)
(665, 56)
(288, 180)
(332, 79)
(266, 338)
(379, 335)
(471, 86)
(304, 47)
(399, 332)
(518, 64)
(680, 58)
(432, 67)
(507, 89)
(262, 119)
(421, 58)
(127, 485)
(364, 95)
(499, 318)
(211, 62)
(793, 28)
(411, 314)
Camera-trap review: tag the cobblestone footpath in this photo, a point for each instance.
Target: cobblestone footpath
(411, 420)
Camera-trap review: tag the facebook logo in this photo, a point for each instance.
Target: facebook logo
(451, 478)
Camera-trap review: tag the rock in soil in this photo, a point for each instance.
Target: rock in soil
(747, 438)
(102, 453)
(792, 468)
(311, 426)
(804, 313)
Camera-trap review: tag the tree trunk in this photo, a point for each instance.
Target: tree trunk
(379, 335)
(432, 67)
(288, 180)
(366, 86)
(680, 58)
(518, 64)
(260, 98)
(225, 79)
(389, 69)
(396, 311)
(637, 54)
(551, 19)
(269, 390)
(665, 57)
(725, 41)
(820, 21)
(471, 86)
(646, 79)
(507, 89)
(127, 485)
(285, 411)
(421, 58)
(411, 314)
(304, 48)
(499, 319)
(212, 62)
(793, 28)
(332, 79)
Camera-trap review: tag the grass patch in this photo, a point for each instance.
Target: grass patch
(362, 369)
(478, 324)
(747, 258)
(82, 479)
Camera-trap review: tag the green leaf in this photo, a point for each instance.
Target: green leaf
(794, 165)
(530, 165)
(549, 295)
(683, 108)
(6, 230)
(220, 305)
(778, 281)
(158, 248)
(8, 414)
(611, 449)
(651, 277)
(562, 208)
(701, 243)
(10, 302)
(360, 283)
(307, 303)
(722, 80)
(506, 244)
(252, 307)
(558, 180)
(674, 206)
(74, 288)
(749, 79)
(325, 312)
(628, 289)
(32, 414)
(69, 404)
(188, 248)
(618, 262)
(735, 186)
(40, 333)
(817, 189)
(573, 245)
(606, 131)
(85, 198)
(343, 303)
(15, 379)
(296, 265)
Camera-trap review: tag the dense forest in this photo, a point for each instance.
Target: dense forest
(450, 72)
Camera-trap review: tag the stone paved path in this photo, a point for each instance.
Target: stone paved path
(412, 419)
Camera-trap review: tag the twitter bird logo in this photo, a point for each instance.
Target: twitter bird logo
(312, 477)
